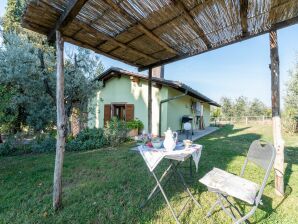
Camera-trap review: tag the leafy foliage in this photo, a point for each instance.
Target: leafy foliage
(135, 124)
(27, 77)
(87, 139)
(23, 81)
(227, 107)
(12, 147)
(241, 107)
(215, 111)
(258, 108)
(115, 132)
(13, 13)
(291, 102)
(43, 143)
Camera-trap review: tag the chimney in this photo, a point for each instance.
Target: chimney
(158, 72)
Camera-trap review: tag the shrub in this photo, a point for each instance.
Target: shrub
(115, 132)
(6, 148)
(87, 139)
(43, 143)
(12, 147)
(135, 124)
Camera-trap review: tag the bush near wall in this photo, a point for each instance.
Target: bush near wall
(113, 135)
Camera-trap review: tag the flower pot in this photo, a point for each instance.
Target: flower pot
(133, 132)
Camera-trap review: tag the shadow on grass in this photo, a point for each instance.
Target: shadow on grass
(124, 181)
(228, 147)
(108, 186)
(291, 157)
(219, 149)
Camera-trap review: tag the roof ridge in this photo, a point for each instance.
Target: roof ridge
(168, 82)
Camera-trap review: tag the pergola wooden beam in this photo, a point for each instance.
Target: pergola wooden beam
(72, 10)
(95, 49)
(150, 101)
(61, 126)
(276, 26)
(190, 19)
(140, 26)
(276, 119)
(243, 16)
(95, 32)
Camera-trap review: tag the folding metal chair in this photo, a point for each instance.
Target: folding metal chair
(225, 184)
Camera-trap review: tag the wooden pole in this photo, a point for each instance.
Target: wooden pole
(276, 121)
(60, 145)
(150, 101)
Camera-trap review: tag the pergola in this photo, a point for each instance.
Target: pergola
(150, 33)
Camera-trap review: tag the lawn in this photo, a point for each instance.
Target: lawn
(107, 186)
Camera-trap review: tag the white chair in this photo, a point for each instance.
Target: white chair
(225, 184)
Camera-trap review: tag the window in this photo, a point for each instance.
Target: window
(118, 110)
(122, 111)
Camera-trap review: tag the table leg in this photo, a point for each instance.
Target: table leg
(155, 190)
(164, 195)
(186, 187)
(190, 167)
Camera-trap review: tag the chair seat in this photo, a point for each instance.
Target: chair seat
(218, 180)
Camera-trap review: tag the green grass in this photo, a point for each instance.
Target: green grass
(107, 186)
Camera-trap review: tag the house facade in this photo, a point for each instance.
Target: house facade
(125, 95)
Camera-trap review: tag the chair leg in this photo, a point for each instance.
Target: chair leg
(233, 206)
(221, 198)
(212, 208)
(244, 218)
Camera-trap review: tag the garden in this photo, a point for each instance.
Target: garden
(108, 185)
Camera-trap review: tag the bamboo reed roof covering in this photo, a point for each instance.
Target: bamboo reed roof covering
(148, 33)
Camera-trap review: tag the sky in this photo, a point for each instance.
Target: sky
(240, 69)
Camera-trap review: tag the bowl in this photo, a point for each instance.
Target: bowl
(157, 144)
(187, 143)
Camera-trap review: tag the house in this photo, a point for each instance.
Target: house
(125, 95)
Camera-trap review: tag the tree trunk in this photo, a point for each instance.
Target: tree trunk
(60, 146)
(150, 101)
(276, 121)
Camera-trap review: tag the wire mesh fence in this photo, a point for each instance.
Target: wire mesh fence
(218, 121)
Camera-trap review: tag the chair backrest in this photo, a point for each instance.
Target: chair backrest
(261, 155)
(264, 157)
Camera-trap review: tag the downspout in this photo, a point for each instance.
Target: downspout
(164, 101)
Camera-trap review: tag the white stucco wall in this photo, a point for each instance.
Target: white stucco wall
(123, 90)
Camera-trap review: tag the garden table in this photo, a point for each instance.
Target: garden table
(153, 157)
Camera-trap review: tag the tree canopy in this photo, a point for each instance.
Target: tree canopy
(291, 102)
(241, 107)
(28, 73)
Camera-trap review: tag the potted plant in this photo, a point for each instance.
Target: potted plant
(134, 126)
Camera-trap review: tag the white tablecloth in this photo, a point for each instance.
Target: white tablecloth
(153, 157)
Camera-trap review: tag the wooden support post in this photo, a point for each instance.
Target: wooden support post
(276, 121)
(60, 146)
(150, 101)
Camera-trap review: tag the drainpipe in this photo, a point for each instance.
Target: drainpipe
(164, 101)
